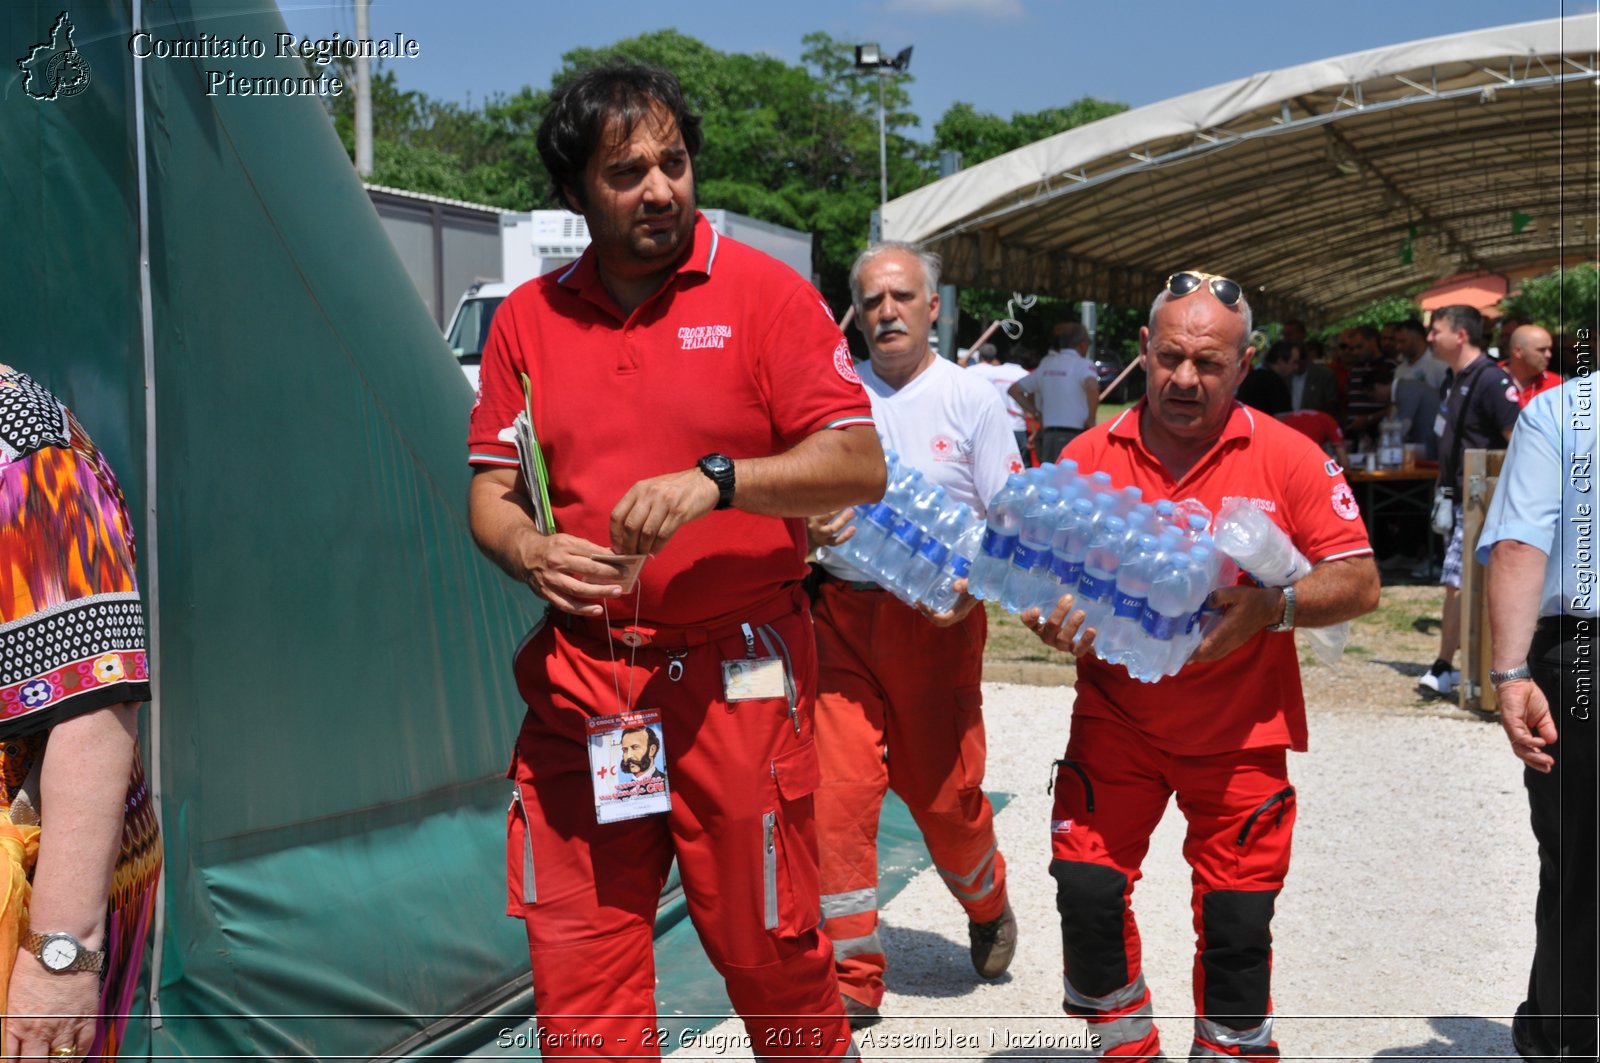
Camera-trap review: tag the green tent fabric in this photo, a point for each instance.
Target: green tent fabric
(335, 704)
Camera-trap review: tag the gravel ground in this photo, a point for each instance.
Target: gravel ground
(1405, 929)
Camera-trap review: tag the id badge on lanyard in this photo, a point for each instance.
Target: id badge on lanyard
(628, 766)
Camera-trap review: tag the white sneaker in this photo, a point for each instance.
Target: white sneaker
(1443, 685)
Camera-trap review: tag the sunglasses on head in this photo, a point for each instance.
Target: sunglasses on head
(1227, 292)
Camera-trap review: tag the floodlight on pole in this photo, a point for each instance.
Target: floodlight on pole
(870, 59)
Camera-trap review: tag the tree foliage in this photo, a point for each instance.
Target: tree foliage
(1377, 313)
(979, 135)
(1563, 300)
(795, 145)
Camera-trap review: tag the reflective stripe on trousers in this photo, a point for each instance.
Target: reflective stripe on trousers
(1123, 1016)
(1212, 1040)
(854, 902)
(961, 885)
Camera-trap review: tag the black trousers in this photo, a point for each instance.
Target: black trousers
(1051, 440)
(1561, 985)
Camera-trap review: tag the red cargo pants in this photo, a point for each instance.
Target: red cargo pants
(741, 774)
(1110, 792)
(899, 707)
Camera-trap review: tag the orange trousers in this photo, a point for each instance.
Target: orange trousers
(742, 776)
(899, 707)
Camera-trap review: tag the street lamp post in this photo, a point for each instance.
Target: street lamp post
(870, 59)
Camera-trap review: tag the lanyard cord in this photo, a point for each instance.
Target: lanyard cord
(633, 651)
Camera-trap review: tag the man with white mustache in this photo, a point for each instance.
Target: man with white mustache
(910, 720)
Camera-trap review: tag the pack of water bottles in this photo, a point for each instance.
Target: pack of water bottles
(916, 543)
(1141, 571)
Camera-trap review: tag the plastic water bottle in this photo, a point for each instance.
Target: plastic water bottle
(1032, 551)
(941, 596)
(1004, 522)
(1169, 619)
(1128, 498)
(872, 523)
(1391, 441)
(1166, 513)
(1202, 579)
(1100, 564)
(931, 556)
(910, 527)
(858, 514)
(1122, 631)
(1068, 546)
(1064, 476)
(1260, 547)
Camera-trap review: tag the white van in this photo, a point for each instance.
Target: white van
(469, 328)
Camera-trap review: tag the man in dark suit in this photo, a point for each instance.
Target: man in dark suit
(1313, 386)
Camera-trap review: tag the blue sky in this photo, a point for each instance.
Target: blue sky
(1000, 55)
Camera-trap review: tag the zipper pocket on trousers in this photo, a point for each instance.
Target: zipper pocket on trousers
(1281, 799)
(769, 870)
(1083, 776)
(530, 892)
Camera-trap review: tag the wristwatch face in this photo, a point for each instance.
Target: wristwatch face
(58, 952)
(718, 464)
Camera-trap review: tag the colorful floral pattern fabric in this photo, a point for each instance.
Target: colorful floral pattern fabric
(71, 624)
(72, 639)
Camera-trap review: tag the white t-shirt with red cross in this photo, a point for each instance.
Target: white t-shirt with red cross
(950, 424)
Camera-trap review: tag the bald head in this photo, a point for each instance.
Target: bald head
(1530, 353)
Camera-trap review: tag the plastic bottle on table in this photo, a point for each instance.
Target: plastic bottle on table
(1003, 523)
(1391, 441)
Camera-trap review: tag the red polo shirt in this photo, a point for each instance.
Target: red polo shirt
(735, 353)
(1543, 382)
(1252, 697)
(1315, 425)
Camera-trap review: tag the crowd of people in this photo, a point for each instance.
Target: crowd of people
(773, 707)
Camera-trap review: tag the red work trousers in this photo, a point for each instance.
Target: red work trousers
(899, 707)
(741, 774)
(1110, 792)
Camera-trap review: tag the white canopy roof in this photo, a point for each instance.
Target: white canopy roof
(1319, 187)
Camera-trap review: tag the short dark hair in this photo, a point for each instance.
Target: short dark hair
(1281, 351)
(580, 111)
(1411, 324)
(1369, 332)
(1465, 318)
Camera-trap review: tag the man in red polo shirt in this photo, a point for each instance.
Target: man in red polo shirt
(693, 399)
(1529, 363)
(1216, 733)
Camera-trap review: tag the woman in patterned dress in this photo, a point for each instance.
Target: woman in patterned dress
(80, 852)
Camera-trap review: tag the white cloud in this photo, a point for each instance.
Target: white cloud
(1007, 9)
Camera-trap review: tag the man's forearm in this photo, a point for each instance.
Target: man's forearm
(1516, 572)
(500, 516)
(823, 473)
(1336, 591)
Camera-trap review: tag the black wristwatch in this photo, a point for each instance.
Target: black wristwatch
(719, 467)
